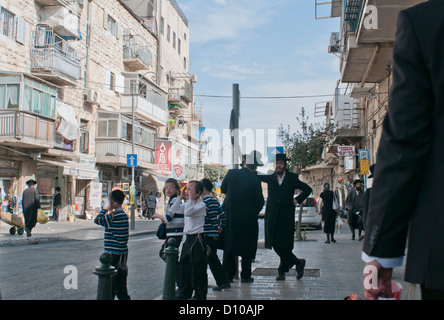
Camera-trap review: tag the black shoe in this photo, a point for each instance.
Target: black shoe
(333, 240)
(361, 238)
(223, 286)
(327, 241)
(300, 269)
(281, 276)
(249, 280)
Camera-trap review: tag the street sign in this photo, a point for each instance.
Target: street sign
(272, 152)
(344, 151)
(131, 160)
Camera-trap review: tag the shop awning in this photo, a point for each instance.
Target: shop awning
(75, 169)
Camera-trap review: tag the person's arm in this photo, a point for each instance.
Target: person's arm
(305, 188)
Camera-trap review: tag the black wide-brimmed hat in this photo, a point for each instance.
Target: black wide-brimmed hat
(254, 158)
(31, 182)
(282, 157)
(357, 181)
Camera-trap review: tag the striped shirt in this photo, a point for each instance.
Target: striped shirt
(174, 219)
(116, 230)
(215, 217)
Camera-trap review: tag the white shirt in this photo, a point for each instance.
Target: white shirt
(281, 178)
(194, 212)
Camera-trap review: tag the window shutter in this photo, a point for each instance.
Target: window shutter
(21, 30)
(105, 19)
(120, 83)
(107, 78)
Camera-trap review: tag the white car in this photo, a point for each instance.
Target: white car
(311, 214)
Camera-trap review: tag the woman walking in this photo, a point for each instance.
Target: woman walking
(328, 213)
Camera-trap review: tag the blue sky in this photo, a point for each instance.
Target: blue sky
(271, 48)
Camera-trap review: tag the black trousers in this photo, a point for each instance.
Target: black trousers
(213, 261)
(193, 265)
(119, 287)
(230, 267)
(288, 259)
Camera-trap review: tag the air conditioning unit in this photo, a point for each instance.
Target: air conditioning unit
(93, 96)
(123, 173)
(194, 78)
(334, 43)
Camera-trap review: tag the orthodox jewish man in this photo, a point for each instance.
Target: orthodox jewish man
(280, 214)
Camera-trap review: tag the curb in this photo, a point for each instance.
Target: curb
(49, 239)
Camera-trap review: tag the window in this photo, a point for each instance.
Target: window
(107, 129)
(185, 63)
(7, 23)
(9, 96)
(184, 36)
(168, 33)
(174, 40)
(178, 45)
(84, 137)
(112, 26)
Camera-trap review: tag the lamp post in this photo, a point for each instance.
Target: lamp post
(135, 86)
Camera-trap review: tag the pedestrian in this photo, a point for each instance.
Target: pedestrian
(56, 204)
(30, 203)
(405, 204)
(214, 224)
(173, 220)
(242, 204)
(193, 258)
(151, 202)
(367, 194)
(328, 213)
(280, 215)
(354, 203)
(115, 220)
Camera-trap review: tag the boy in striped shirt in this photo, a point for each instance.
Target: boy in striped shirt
(115, 221)
(215, 220)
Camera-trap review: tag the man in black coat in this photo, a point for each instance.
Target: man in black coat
(243, 202)
(406, 200)
(30, 203)
(280, 215)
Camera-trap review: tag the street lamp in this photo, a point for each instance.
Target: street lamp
(133, 186)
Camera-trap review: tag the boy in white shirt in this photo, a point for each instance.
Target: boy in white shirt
(193, 256)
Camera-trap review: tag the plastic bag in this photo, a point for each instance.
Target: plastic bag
(42, 218)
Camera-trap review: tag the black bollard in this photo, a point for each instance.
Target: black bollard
(105, 272)
(169, 284)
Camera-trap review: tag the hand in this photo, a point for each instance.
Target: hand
(384, 281)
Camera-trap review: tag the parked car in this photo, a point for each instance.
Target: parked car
(311, 214)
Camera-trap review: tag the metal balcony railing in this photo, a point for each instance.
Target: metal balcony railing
(21, 124)
(132, 51)
(352, 12)
(51, 53)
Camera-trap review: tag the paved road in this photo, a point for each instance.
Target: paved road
(37, 271)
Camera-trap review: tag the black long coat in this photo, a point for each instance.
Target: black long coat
(243, 203)
(355, 202)
(406, 197)
(328, 214)
(30, 203)
(279, 214)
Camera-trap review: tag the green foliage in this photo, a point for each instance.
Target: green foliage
(304, 147)
(211, 172)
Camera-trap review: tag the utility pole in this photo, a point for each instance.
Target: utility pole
(234, 126)
(133, 186)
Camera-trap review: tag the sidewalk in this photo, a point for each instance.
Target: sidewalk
(65, 231)
(332, 272)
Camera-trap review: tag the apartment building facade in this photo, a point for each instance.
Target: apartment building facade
(364, 46)
(82, 85)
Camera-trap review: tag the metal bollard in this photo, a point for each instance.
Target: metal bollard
(169, 284)
(105, 272)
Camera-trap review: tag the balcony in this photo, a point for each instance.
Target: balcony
(368, 47)
(144, 109)
(136, 57)
(114, 152)
(182, 94)
(26, 130)
(52, 59)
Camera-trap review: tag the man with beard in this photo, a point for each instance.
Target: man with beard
(30, 203)
(280, 214)
(354, 203)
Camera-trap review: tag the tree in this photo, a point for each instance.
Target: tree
(304, 148)
(211, 172)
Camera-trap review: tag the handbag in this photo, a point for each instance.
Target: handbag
(161, 231)
(335, 204)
